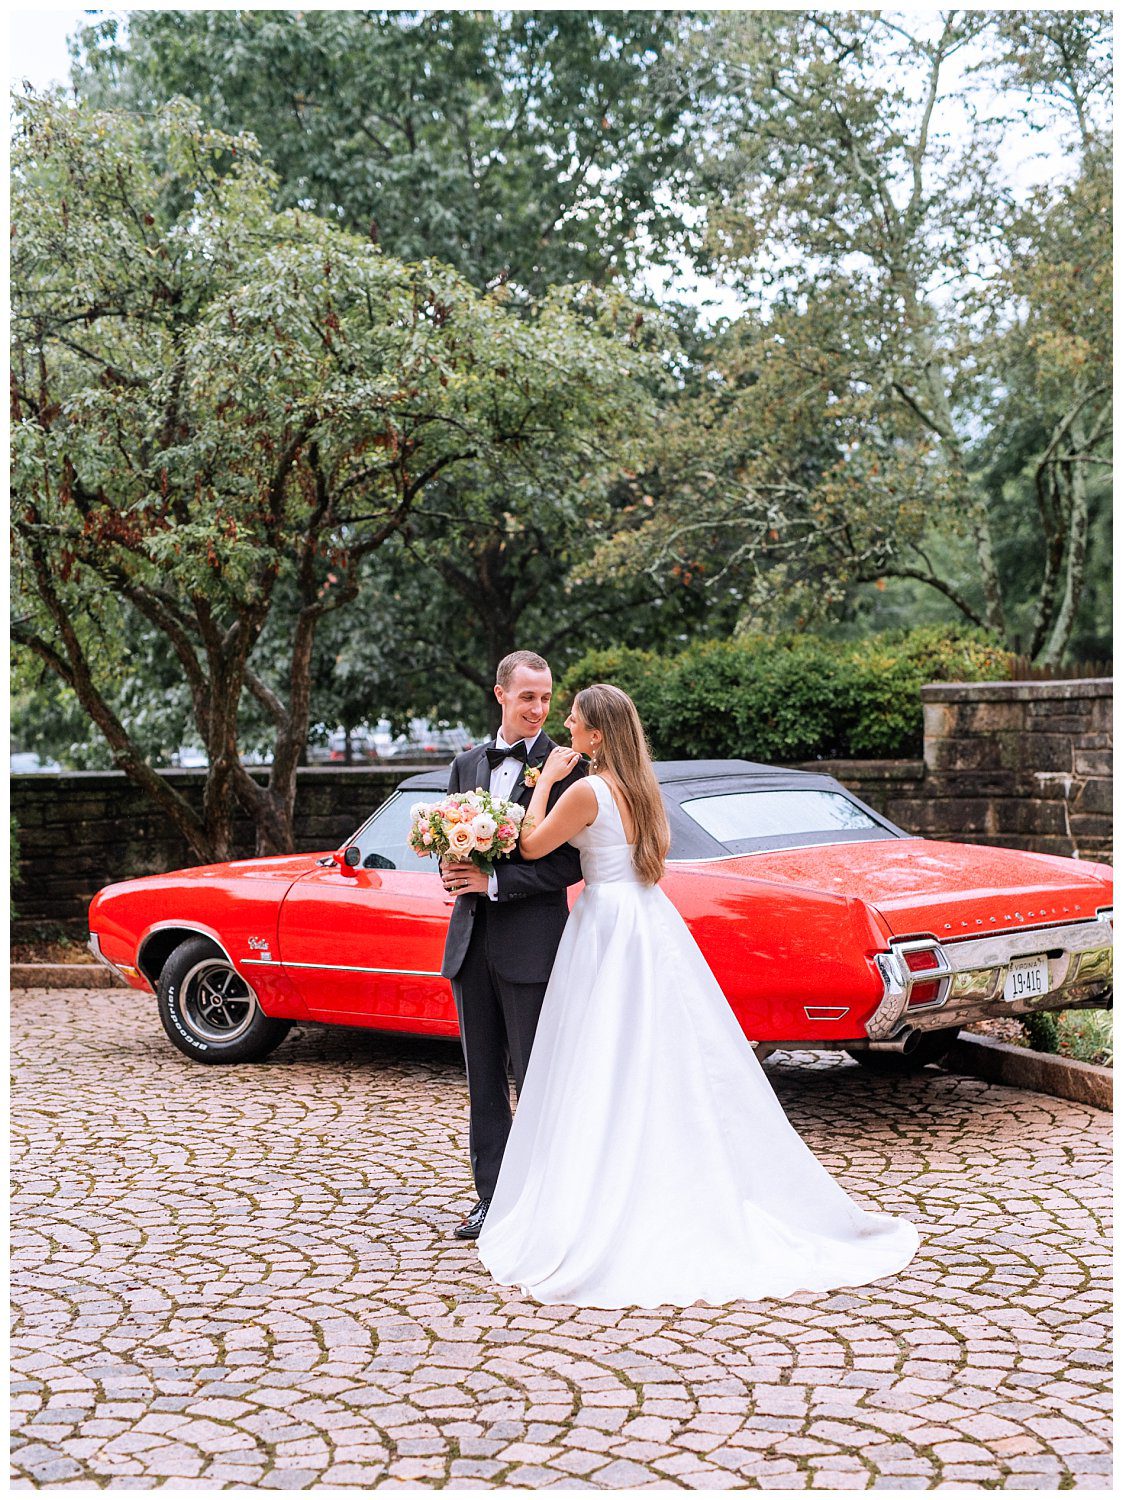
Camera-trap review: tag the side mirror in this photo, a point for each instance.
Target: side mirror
(347, 861)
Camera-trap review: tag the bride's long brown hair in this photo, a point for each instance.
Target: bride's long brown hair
(624, 751)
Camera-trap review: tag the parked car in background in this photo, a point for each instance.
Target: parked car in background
(425, 740)
(27, 762)
(826, 926)
(372, 746)
(367, 744)
(190, 757)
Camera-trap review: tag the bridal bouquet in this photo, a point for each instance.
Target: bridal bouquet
(466, 825)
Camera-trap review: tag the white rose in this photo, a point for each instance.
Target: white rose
(420, 810)
(516, 813)
(473, 799)
(483, 826)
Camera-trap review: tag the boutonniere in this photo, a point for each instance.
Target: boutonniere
(531, 775)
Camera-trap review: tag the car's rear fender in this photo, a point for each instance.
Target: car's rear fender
(792, 961)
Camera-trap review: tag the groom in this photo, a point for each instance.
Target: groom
(506, 927)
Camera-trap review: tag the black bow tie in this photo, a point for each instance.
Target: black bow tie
(497, 754)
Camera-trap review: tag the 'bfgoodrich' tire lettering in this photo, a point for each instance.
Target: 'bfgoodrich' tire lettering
(209, 1012)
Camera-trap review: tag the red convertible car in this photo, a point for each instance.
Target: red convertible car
(825, 925)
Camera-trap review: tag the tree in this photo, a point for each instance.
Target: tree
(526, 149)
(1056, 357)
(509, 565)
(1063, 56)
(525, 145)
(777, 485)
(151, 699)
(1055, 366)
(216, 405)
(838, 437)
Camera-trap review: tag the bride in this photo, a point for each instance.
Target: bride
(649, 1161)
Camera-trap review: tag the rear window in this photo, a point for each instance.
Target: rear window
(737, 818)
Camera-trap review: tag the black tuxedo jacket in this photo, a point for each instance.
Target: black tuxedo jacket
(524, 925)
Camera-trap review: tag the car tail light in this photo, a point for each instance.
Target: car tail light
(920, 959)
(925, 971)
(924, 994)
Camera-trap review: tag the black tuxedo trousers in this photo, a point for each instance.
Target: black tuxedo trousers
(498, 1018)
(498, 957)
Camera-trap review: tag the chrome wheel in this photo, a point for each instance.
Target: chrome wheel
(217, 1004)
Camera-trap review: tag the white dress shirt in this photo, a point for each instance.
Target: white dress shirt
(502, 784)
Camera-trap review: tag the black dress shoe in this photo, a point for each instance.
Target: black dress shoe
(470, 1229)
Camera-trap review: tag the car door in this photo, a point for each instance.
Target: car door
(364, 947)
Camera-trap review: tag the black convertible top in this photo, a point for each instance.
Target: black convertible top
(685, 780)
(666, 770)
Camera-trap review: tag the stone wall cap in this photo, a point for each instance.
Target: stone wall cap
(198, 773)
(391, 769)
(869, 770)
(991, 692)
(90, 976)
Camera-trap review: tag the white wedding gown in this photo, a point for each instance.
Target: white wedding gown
(649, 1161)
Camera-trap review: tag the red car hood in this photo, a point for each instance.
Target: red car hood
(279, 867)
(949, 890)
(267, 867)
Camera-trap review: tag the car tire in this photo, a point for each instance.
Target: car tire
(209, 1011)
(933, 1046)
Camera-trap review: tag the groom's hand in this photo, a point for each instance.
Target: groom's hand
(461, 876)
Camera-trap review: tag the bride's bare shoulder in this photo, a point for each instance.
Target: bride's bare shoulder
(581, 797)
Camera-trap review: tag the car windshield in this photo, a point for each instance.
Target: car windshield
(383, 839)
(736, 818)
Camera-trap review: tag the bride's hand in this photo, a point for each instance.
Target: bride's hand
(559, 763)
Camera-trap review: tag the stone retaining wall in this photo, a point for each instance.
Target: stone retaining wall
(1025, 764)
(79, 830)
(1022, 764)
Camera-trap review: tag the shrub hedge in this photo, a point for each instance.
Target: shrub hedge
(790, 698)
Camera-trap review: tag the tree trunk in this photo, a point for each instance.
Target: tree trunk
(226, 662)
(275, 832)
(1076, 485)
(71, 665)
(499, 635)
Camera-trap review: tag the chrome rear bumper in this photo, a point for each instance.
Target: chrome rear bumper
(972, 975)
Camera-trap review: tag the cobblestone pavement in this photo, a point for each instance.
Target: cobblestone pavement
(244, 1276)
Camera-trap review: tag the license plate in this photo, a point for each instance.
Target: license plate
(1026, 979)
